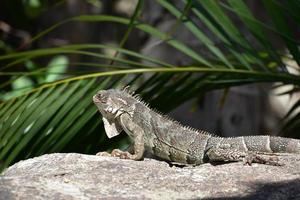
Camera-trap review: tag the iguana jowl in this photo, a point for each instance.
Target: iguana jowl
(171, 141)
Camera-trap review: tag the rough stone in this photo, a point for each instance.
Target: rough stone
(78, 176)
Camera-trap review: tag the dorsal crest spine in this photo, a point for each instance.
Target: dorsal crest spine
(139, 99)
(128, 90)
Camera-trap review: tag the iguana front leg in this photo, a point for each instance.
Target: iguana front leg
(231, 155)
(136, 134)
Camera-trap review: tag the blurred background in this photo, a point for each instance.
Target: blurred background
(241, 60)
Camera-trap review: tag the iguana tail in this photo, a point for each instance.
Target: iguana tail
(272, 144)
(284, 145)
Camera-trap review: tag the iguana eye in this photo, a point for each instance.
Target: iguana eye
(102, 98)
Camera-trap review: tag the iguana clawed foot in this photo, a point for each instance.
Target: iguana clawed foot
(117, 153)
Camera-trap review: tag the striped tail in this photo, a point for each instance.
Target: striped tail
(272, 144)
(264, 143)
(284, 145)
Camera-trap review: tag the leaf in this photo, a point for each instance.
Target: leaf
(279, 20)
(196, 31)
(144, 27)
(131, 25)
(56, 67)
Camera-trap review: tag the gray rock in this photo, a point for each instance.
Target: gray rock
(78, 176)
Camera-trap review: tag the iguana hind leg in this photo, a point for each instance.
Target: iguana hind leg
(247, 157)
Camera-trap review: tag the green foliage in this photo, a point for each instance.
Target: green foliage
(56, 113)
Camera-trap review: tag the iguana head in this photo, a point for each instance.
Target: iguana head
(111, 104)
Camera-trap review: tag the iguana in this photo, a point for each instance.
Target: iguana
(169, 140)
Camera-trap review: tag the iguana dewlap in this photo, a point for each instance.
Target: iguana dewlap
(169, 140)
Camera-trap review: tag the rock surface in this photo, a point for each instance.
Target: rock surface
(78, 176)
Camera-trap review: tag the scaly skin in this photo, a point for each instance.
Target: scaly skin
(169, 140)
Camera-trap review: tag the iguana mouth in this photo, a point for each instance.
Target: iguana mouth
(96, 99)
